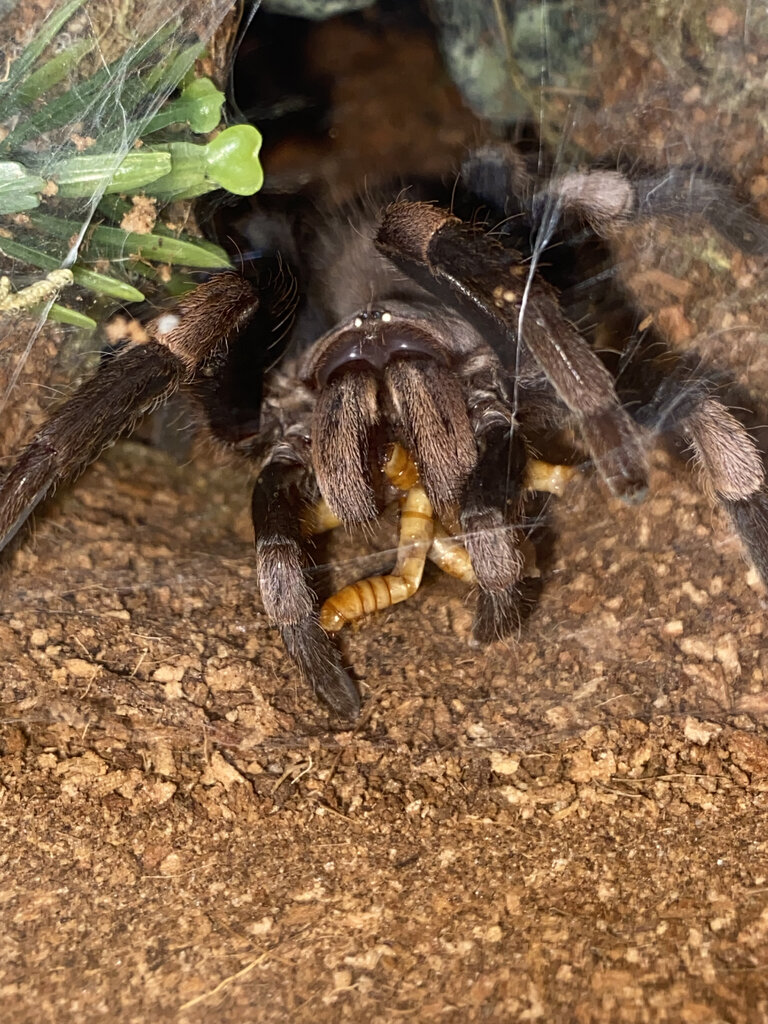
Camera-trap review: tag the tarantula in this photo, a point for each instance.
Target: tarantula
(428, 358)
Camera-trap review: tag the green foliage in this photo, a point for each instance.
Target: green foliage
(132, 143)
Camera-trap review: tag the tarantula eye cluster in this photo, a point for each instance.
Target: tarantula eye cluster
(369, 342)
(441, 360)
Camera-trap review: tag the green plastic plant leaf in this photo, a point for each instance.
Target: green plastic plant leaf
(99, 283)
(18, 188)
(188, 171)
(104, 285)
(199, 105)
(233, 160)
(164, 248)
(65, 315)
(71, 105)
(207, 101)
(10, 101)
(229, 161)
(145, 74)
(115, 243)
(53, 71)
(167, 73)
(114, 208)
(87, 173)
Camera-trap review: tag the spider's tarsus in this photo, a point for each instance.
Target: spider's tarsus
(498, 614)
(320, 664)
(609, 199)
(618, 453)
(729, 462)
(205, 317)
(750, 517)
(492, 506)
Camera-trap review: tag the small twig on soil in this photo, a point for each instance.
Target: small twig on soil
(226, 981)
(668, 778)
(619, 792)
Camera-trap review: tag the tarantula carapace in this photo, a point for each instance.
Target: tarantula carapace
(428, 359)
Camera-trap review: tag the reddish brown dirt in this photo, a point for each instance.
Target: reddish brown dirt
(571, 827)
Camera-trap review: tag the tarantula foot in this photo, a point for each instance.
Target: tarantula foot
(320, 664)
(750, 517)
(618, 454)
(498, 614)
(500, 611)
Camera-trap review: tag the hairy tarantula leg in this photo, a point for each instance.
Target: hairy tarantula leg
(733, 469)
(491, 511)
(121, 391)
(376, 593)
(288, 598)
(497, 174)
(608, 199)
(728, 459)
(74, 436)
(491, 282)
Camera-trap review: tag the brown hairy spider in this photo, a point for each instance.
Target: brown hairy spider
(427, 361)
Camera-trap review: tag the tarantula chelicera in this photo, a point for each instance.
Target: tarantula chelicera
(427, 361)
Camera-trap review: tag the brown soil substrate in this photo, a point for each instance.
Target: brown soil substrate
(568, 827)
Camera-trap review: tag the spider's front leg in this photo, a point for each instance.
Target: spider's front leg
(178, 343)
(608, 200)
(521, 318)
(285, 485)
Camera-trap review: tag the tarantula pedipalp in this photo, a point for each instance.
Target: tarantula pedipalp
(433, 336)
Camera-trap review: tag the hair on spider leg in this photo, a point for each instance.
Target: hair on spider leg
(609, 198)
(122, 390)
